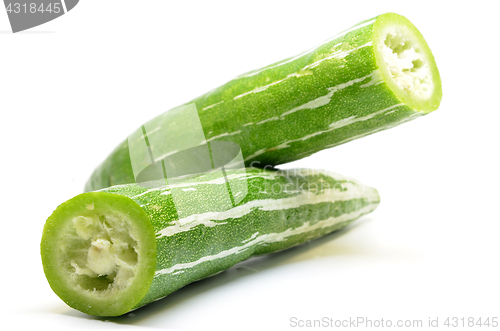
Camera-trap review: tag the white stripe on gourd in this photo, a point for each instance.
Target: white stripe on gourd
(354, 28)
(333, 126)
(325, 99)
(349, 192)
(272, 238)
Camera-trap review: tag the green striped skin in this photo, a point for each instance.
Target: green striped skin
(280, 210)
(336, 92)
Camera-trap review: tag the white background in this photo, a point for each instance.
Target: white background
(72, 89)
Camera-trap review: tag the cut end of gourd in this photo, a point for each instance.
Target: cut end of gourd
(406, 63)
(105, 253)
(99, 260)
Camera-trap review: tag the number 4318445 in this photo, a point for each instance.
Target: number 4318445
(471, 322)
(32, 8)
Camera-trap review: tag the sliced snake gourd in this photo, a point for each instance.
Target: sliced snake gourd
(374, 76)
(108, 252)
